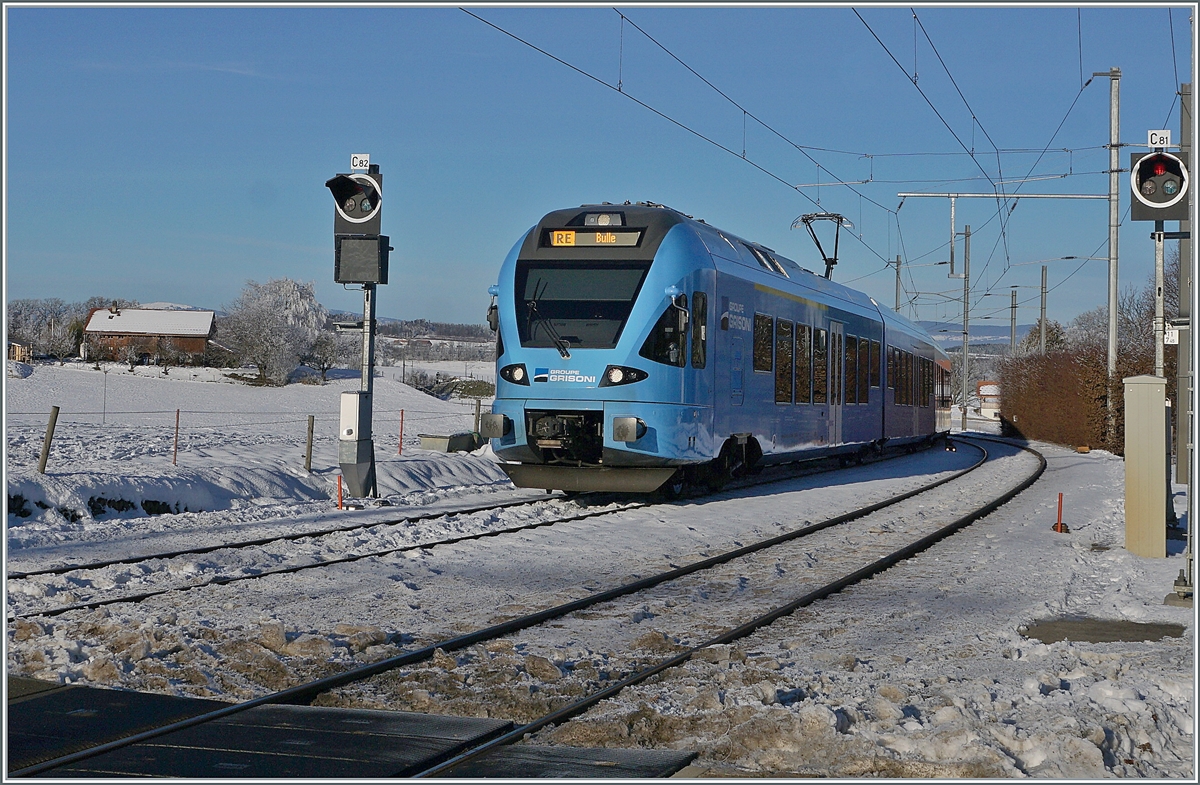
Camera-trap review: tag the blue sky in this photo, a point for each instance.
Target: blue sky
(172, 154)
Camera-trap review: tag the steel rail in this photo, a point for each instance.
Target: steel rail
(742, 631)
(228, 579)
(425, 516)
(304, 693)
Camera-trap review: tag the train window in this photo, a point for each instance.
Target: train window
(891, 368)
(851, 369)
(912, 380)
(820, 366)
(763, 327)
(874, 363)
(803, 363)
(667, 343)
(499, 345)
(575, 304)
(908, 379)
(699, 329)
(783, 361)
(902, 384)
(835, 369)
(864, 370)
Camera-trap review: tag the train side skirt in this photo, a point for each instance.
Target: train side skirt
(603, 478)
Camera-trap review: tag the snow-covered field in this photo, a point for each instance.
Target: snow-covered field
(920, 672)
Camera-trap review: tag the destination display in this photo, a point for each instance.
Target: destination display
(572, 238)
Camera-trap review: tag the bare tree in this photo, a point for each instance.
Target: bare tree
(329, 349)
(131, 352)
(273, 325)
(1056, 338)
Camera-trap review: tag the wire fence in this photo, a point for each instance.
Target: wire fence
(158, 434)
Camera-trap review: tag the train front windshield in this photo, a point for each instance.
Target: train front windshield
(575, 305)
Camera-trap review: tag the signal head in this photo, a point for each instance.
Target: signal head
(1159, 183)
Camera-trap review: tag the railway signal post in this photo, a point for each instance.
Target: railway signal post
(1159, 184)
(360, 257)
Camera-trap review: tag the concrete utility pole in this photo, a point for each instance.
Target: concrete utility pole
(1183, 430)
(897, 283)
(966, 320)
(1012, 326)
(1114, 214)
(1043, 319)
(1185, 415)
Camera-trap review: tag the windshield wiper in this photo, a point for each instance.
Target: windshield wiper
(560, 343)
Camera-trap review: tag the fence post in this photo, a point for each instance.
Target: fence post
(175, 455)
(49, 438)
(308, 450)
(478, 402)
(400, 448)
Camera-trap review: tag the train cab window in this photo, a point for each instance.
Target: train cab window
(763, 328)
(820, 366)
(803, 363)
(699, 329)
(783, 361)
(864, 370)
(874, 363)
(667, 342)
(573, 305)
(851, 369)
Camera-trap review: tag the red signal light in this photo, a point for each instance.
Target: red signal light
(1160, 167)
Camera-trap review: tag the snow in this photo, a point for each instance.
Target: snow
(155, 322)
(919, 672)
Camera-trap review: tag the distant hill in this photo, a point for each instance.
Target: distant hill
(951, 332)
(171, 307)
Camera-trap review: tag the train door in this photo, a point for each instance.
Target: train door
(837, 383)
(735, 371)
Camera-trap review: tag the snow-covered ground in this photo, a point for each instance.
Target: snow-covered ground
(920, 672)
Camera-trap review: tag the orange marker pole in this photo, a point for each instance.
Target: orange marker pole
(1059, 527)
(400, 447)
(339, 491)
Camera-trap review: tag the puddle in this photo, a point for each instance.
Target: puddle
(1099, 630)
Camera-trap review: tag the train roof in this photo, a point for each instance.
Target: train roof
(657, 220)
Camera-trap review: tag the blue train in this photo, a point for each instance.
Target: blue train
(639, 349)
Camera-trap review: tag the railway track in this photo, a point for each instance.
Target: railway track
(83, 575)
(631, 672)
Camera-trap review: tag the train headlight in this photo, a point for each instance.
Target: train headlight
(616, 375)
(515, 374)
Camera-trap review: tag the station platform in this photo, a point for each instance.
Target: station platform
(47, 721)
